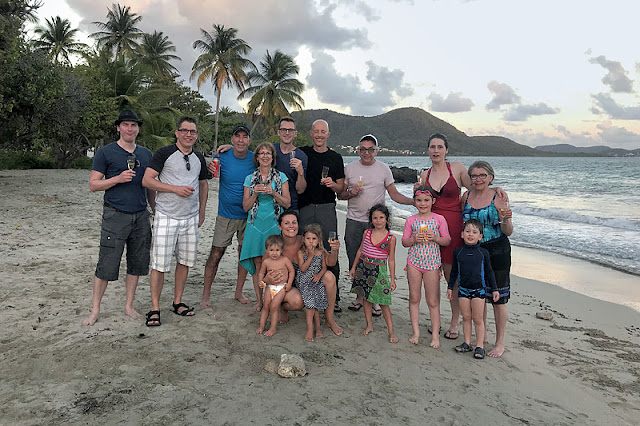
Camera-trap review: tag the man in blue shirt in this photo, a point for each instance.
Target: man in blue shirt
(117, 170)
(235, 165)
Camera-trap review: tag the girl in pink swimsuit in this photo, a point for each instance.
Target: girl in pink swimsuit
(424, 233)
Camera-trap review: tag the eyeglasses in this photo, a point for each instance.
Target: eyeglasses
(369, 150)
(482, 176)
(186, 159)
(188, 131)
(283, 130)
(265, 154)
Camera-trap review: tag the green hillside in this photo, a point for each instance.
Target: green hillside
(405, 131)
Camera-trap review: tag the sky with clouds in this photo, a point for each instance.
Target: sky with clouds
(539, 72)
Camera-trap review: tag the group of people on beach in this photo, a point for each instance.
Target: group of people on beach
(280, 203)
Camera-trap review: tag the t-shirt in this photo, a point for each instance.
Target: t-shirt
(232, 173)
(282, 165)
(315, 192)
(111, 160)
(376, 178)
(171, 164)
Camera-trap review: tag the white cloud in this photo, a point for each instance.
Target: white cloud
(454, 102)
(616, 77)
(523, 112)
(607, 104)
(503, 94)
(347, 90)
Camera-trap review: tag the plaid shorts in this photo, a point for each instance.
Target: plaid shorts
(174, 235)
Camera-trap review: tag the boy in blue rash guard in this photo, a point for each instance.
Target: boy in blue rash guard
(472, 266)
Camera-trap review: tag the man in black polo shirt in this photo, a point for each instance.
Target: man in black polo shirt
(117, 170)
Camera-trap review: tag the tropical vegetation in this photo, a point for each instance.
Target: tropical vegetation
(59, 97)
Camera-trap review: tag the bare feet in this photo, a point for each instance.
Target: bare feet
(393, 338)
(337, 330)
(283, 318)
(496, 352)
(269, 332)
(435, 343)
(319, 334)
(309, 336)
(415, 339)
(367, 330)
(257, 308)
(205, 302)
(91, 319)
(131, 313)
(259, 331)
(240, 298)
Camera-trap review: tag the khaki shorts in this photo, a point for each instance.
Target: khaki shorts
(224, 230)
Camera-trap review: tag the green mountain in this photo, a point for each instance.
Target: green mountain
(405, 131)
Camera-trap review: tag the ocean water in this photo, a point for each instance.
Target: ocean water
(586, 208)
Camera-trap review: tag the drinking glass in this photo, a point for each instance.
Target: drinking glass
(360, 181)
(131, 162)
(419, 177)
(504, 206)
(332, 237)
(325, 172)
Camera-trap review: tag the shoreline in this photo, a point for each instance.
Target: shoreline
(579, 368)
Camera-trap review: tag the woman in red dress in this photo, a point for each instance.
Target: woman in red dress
(446, 178)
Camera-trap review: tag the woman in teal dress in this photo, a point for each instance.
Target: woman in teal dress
(266, 195)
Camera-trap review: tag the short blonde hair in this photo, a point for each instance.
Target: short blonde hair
(271, 149)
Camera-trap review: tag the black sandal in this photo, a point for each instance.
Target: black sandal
(184, 313)
(153, 322)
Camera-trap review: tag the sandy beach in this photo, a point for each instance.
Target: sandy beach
(583, 367)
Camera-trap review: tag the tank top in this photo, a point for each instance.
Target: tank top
(488, 216)
(448, 198)
(376, 251)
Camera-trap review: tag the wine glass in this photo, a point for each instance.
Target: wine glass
(360, 181)
(332, 237)
(325, 172)
(503, 207)
(131, 162)
(419, 176)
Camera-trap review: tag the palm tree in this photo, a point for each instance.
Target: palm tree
(153, 54)
(222, 62)
(56, 38)
(274, 89)
(119, 31)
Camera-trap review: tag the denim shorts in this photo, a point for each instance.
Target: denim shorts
(120, 230)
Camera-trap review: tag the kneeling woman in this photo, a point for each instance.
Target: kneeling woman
(288, 225)
(482, 203)
(266, 194)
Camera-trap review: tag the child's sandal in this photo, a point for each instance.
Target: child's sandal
(462, 348)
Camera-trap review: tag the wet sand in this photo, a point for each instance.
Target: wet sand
(581, 368)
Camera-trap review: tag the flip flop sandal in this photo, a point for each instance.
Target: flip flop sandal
(376, 312)
(185, 312)
(153, 322)
(451, 335)
(355, 306)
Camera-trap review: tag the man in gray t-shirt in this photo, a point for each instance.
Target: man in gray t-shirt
(179, 175)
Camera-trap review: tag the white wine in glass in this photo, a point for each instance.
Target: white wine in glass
(131, 162)
(325, 172)
(332, 237)
(360, 181)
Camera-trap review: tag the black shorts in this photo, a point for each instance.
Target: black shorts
(500, 253)
(120, 230)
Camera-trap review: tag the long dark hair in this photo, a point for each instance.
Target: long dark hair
(382, 209)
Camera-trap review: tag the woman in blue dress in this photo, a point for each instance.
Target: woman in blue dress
(266, 195)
